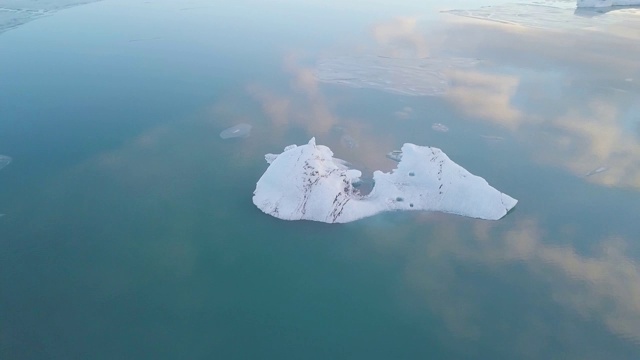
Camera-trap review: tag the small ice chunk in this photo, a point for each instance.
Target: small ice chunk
(240, 130)
(405, 113)
(270, 157)
(439, 127)
(4, 161)
(395, 155)
(492, 137)
(597, 171)
(306, 183)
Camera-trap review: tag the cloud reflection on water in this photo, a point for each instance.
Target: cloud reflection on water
(547, 90)
(568, 89)
(599, 287)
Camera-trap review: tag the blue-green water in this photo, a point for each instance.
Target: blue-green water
(129, 231)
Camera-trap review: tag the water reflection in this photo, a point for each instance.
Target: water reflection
(603, 286)
(405, 76)
(574, 107)
(579, 111)
(157, 226)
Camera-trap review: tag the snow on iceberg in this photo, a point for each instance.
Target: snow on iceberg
(307, 183)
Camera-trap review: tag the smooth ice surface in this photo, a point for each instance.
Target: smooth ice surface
(240, 130)
(404, 76)
(306, 183)
(4, 161)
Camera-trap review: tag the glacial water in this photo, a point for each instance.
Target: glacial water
(129, 231)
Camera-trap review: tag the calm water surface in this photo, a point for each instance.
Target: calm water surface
(129, 231)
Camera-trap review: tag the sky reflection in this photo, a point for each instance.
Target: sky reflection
(575, 91)
(135, 208)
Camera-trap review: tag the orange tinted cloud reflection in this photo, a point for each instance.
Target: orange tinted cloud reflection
(603, 286)
(581, 130)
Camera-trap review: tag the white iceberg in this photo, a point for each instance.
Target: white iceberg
(306, 183)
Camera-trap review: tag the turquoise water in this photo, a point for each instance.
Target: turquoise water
(129, 231)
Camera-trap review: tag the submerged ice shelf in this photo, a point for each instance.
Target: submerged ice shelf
(307, 183)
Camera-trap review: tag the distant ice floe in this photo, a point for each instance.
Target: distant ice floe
(403, 76)
(307, 183)
(4, 161)
(14, 13)
(544, 14)
(237, 131)
(606, 3)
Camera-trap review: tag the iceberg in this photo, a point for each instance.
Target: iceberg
(306, 183)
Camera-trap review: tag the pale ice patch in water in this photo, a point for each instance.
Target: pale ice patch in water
(405, 113)
(492, 137)
(596, 171)
(348, 141)
(4, 161)
(240, 130)
(403, 76)
(540, 15)
(439, 127)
